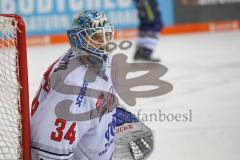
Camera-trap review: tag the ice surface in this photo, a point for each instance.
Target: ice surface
(204, 69)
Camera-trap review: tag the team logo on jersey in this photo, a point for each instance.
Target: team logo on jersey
(100, 101)
(103, 103)
(82, 93)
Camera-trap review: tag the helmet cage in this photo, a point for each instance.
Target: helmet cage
(93, 40)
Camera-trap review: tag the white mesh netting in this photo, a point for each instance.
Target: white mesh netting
(10, 119)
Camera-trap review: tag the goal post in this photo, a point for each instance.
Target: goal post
(14, 96)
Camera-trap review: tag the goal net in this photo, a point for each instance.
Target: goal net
(14, 107)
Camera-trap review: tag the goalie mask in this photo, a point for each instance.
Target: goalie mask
(92, 33)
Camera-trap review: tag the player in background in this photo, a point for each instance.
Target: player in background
(74, 115)
(149, 28)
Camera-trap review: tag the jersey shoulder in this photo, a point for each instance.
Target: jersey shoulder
(68, 70)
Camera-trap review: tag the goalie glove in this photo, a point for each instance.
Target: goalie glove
(133, 139)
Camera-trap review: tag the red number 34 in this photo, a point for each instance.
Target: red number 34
(70, 134)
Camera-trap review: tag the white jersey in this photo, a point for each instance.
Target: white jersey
(65, 122)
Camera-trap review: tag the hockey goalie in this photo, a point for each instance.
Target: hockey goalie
(74, 114)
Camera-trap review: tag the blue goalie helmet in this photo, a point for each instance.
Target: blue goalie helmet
(92, 32)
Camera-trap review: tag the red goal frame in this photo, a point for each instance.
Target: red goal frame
(22, 74)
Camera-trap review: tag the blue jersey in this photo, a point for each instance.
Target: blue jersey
(149, 16)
